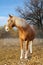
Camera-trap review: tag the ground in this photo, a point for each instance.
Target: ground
(10, 53)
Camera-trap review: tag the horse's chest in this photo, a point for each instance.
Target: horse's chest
(22, 35)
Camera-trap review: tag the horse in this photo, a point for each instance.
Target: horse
(26, 33)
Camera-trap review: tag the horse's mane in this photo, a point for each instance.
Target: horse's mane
(20, 22)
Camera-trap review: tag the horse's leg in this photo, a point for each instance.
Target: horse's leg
(30, 46)
(26, 53)
(21, 46)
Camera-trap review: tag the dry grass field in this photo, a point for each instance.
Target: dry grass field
(10, 49)
(10, 52)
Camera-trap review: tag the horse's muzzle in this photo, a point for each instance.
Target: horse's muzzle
(6, 28)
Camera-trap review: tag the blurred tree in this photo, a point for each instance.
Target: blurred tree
(33, 11)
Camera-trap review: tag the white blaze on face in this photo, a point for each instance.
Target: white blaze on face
(7, 28)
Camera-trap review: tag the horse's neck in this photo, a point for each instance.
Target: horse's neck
(19, 28)
(27, 27)
(19, 21)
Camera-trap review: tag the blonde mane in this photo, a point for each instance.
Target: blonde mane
(20, 22)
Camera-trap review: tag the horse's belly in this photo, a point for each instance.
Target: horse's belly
(28, 36)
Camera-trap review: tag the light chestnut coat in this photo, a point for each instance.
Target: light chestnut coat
(26, 32)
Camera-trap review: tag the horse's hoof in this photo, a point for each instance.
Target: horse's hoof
(26, 57)
(21, 57)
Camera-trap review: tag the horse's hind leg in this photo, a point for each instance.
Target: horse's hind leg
(30, 46)
(21, 46)
(26, 53)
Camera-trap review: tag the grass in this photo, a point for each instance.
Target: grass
(10, 53)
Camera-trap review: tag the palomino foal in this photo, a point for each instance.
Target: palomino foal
(26, 32)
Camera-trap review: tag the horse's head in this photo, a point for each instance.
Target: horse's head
(10, 23)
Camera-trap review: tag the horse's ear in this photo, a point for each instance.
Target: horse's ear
(10, 16)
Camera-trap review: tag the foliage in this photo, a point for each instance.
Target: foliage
(33, 11)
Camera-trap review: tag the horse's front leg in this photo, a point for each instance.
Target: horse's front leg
(30, 46)
(26, 53)
(21, 46)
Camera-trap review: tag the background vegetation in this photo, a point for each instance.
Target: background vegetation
(32, 11)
